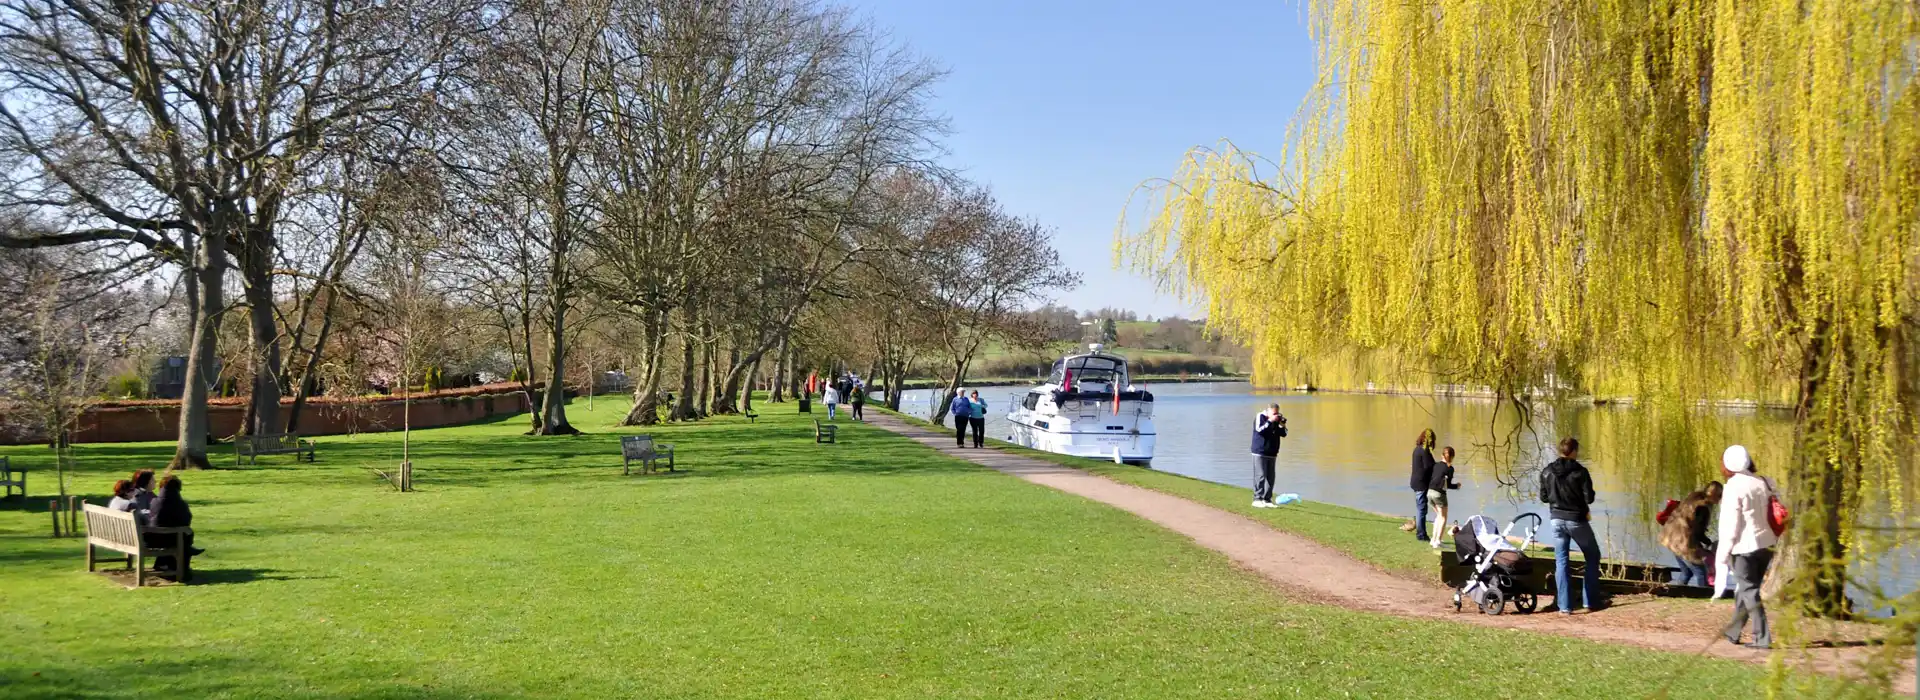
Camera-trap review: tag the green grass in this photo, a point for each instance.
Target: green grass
(771, 567)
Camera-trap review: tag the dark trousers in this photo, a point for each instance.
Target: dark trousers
(1420, 514)
(960, 424)
(166, 562)
(859, 411)
(979, 430)
(1263, 486)
(1748, 572)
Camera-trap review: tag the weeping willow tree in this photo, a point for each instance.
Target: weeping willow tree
(1677, 201)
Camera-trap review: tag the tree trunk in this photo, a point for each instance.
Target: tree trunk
(646, 392)
(945, 399)
(553, 410)
(263, 406)
(683, 409)
(1814, 552)
(206, 302)
(753, 377)
(778, 392)
(896, 385)
(308, 384)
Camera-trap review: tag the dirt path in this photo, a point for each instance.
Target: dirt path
(1326, 575)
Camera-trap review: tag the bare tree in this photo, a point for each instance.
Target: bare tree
(179, 129)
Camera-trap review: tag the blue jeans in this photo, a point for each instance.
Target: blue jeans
(1689, 573)
(1575, 532)
(1420, 514)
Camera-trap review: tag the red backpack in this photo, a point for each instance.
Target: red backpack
(1666, 511)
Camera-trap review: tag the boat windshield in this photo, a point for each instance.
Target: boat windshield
(1091, 373)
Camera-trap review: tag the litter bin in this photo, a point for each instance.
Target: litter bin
(806, 404)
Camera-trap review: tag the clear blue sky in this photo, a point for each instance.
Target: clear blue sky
(1063, 108)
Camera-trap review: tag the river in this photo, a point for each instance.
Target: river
(1354, 449)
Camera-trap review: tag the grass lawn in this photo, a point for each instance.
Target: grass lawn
(771, 567)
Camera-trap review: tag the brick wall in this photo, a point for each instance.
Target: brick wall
(160, 421)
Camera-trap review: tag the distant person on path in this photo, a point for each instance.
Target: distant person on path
(962, 411)
(1268, 427)
(1437, 494)
(1567, 489)
(1422, 476)
(977, 408)
(170, 510)
(859, 401)
(1685, 534)
(122, 496)
(1746, 543)
(831, 397)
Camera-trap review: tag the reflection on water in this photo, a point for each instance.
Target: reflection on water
(1354, 450)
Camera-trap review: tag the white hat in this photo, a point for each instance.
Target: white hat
(1735, 459)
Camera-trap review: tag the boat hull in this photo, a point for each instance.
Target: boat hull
(1129, 447)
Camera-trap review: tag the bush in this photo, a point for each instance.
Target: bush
(127, 386)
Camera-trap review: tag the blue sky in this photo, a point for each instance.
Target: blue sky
(1064, 108)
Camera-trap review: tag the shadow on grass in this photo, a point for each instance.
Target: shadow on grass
(223, 577)
(128, 671)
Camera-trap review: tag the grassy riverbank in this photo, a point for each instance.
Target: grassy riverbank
(770, 567)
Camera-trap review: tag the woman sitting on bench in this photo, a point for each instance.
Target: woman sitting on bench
(170, 510)
(122, 496)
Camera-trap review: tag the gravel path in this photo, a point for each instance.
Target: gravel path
(1322, 574)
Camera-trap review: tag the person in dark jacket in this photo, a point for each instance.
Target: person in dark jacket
(1267, 430)
(859, 399)
(1567, 489)
(1422, 476)
(142, 491)
(1437, 494)
(1685, 534)
(170, 510)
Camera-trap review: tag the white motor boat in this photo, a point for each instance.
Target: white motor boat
(1087, 408)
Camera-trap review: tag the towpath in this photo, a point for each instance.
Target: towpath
(1316, 572)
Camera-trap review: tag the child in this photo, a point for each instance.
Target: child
(1437, 494)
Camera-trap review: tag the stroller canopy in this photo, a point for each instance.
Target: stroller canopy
(1486, 532)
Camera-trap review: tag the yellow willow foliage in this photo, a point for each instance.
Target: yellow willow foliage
(1674, 201)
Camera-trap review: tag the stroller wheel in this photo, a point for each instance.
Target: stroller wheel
(1494, 603)
(1524, 602)
(1456, 601)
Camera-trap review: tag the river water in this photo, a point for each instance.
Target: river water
(1354, 450)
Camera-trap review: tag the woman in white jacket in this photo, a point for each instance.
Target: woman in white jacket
(1746, 544)
(831, 398)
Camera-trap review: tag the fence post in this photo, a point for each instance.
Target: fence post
(53, 509)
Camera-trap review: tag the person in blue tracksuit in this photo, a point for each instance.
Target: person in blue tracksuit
(962, 411)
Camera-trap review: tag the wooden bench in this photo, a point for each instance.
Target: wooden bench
(646, 451)
(11, 478)
(824, 432)
(120, 531)
(252, 446)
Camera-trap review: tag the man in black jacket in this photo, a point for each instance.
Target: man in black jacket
(1567, 489)
(1267, 430)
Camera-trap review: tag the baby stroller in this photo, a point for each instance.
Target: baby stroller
(1498, 566)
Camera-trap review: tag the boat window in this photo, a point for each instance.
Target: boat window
(1096, 373)
(1033, 399)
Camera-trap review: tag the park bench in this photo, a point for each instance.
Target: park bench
(252, 446)
(824, 432)
(120, 531)
(11, 478)
(646, 451)
(752, 417)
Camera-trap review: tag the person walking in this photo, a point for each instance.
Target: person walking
(1685, 534)
(962, 411)
(859, 401)
(978, 411)
(831, 397)
(1268, 427)
(1746, 543)
(1437, 494)
(1421, 477)
(1567, 489)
